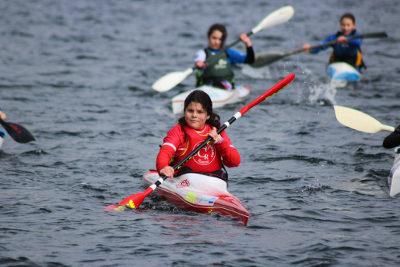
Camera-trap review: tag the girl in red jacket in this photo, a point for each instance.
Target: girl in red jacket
(199, 122)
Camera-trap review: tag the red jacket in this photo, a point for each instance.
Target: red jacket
(180, 141)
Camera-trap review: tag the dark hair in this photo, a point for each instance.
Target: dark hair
(348, 16)
(218, 27)
(204, 99)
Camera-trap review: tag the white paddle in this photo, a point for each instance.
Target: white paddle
(359, 121)
(170, 80)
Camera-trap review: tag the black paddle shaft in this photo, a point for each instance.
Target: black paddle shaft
(358, 36)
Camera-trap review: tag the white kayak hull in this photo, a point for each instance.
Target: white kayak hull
(1, 138)
(199, 193)
(344, 72)
(394, 177)
(219, 97)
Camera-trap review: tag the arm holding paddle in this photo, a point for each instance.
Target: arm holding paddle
(250, 58)
(354, 41)
(230, 155)
(393, 139)
(325, 44)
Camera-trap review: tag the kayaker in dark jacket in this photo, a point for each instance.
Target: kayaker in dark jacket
(393, 139)
(345, 49)
(218, 70)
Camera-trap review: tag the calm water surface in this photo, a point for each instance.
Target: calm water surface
(78, 75)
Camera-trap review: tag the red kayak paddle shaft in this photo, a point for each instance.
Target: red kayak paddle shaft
(134, 201)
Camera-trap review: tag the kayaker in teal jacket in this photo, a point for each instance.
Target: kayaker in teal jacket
(344, 50)
(218, 71)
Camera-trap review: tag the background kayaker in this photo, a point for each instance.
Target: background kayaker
(199, 121)
(218, 71)
(393, 139)
(344, 50)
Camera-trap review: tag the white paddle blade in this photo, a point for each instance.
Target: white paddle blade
(170, 80)
(277, 17)
(359, 121)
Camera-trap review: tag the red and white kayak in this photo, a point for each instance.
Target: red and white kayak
(219, 97)
(199, 193)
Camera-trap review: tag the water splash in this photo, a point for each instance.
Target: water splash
(322, 94)
(319, 92)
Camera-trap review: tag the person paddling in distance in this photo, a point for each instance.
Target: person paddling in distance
(346, 49)
(218, 71)
(198, 122)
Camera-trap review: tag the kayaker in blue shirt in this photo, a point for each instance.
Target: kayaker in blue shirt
(344, 50)
(218, 71)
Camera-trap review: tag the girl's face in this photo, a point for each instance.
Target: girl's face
(215, 40)
(196, 116)
(347, 26)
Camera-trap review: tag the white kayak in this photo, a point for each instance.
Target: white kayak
(199, 193)
(394, 177)
(219, 97)
(343, 72)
